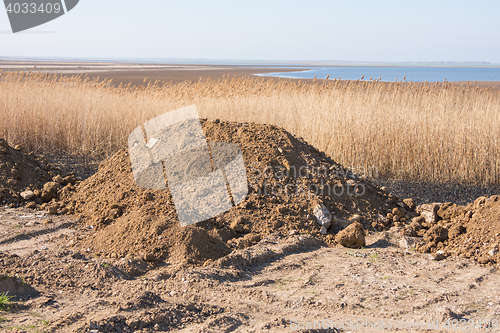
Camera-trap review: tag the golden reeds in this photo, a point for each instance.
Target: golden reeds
(415, 131)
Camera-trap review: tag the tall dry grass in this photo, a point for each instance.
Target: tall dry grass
(414, 131)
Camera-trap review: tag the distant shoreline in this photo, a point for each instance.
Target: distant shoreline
(135, 73)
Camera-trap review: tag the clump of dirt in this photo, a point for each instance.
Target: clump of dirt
(471, 231)
(26, 178)
(287, 179)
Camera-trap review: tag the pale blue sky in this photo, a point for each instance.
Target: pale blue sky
(402, 30)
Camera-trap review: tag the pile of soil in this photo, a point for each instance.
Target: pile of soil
(471, 231)
(24, 177)
(135, 222)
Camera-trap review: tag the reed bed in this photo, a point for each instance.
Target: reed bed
(438, 132)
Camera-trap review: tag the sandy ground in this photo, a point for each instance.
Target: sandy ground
(281, 284)
(136, 73)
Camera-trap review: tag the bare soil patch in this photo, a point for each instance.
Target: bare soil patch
(103, 255)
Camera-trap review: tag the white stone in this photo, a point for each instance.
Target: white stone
(26, 195)
(322, 215)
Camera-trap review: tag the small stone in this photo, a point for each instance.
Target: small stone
(429, 212)
(149, 257)
(398, 212)
(71, 243)
(353, 236)
(18, 147)
(12, 182)
(47, 221)
(410, 204)
(492, 252)
(322, 215)
(436, 234)
(173, 293)
(439, 255)
(49, 191)
(355, 218)
(57, 179)
(31, 205)
(237, 224)
(26, 195)
(415, 225)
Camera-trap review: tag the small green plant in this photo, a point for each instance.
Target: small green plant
(5, 301)
(355, 254)
(45, 322)
(25, 328)
(373, 257)
(105, 265)
(385, 277)
(3, 319)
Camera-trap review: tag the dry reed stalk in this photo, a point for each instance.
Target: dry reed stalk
(404, 130)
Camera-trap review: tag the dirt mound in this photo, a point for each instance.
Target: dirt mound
(287, 179)
(471, 231)
(26, 178)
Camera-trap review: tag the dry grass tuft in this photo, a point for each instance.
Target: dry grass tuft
(414, 131)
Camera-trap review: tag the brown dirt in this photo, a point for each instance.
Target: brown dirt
(471, 231)
(124, 264)
(280, 282)
(131, 221)
(20, 171)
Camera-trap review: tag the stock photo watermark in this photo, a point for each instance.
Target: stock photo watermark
(27, 14)
(381, 325)
(205, 179)
(278, 180)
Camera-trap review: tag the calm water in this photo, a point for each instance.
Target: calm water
(392, 73)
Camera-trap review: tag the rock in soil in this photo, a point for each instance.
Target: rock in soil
(353, 236)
